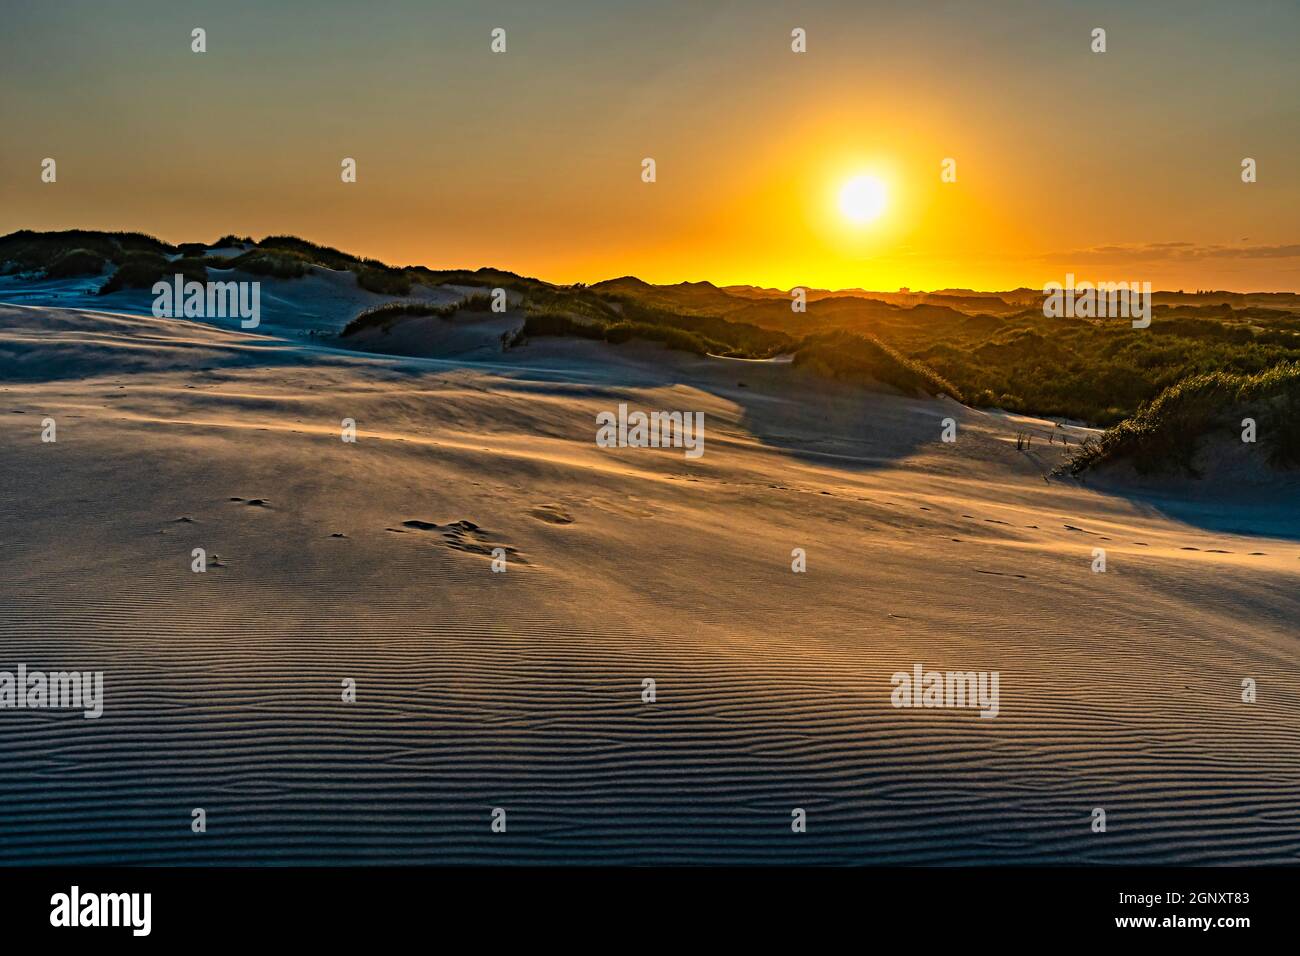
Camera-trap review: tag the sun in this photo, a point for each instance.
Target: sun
(863, 199)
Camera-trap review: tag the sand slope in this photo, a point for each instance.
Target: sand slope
(523, 690)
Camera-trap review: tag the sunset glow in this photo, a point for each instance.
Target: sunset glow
(540, 173)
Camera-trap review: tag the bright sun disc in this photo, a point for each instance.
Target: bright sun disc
(862, 199)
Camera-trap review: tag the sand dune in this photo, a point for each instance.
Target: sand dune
(523, 689)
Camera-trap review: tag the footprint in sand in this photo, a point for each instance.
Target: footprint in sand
(468, 537)
(463, 536)
(552, 514)
(420, 525)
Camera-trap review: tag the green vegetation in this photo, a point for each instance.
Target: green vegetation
(384, 281)
(1166, 433)
(864, 359)
(276, 264)
(140, 270)
(309, 252)
(385, 316)
(28, 251)
(76, 263)
(555, 323)
(1098, 371)
(483, 278)
(586, 314)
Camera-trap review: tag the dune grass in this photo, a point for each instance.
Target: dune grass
(1098, 371)
(1165, 434)
(382, 279)
(276, 264)
(309, 252)
(542, 322)
(845, 356)
(76, 263)
(140, 270)
(388, 314)
(1093, 371)
(29, 251)
(581, 313)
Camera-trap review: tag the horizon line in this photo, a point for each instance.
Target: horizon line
(902, 290)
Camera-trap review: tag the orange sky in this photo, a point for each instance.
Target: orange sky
(1122, 166)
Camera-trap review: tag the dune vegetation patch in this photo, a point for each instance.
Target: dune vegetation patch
(276, 264)
(864, 359)
(76, 263)
(1166, 434)
(1099, 371)
(29, 251)
(382, 279)
(684, 333)
(388, 314)
(558, 323)
(140, 270)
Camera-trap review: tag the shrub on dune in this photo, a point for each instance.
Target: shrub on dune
(75, 263)
(274, 264)
(579, 316)
(140, 270)
(544, 323)
(556, 323)
(29, 251)
(385, 316)
(864, 359)
(1165, 434)
(383, 281)
(309, 252)
(482, 278)
(674, 338)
